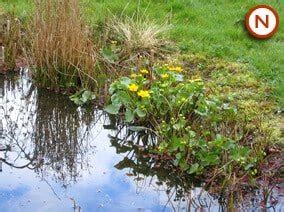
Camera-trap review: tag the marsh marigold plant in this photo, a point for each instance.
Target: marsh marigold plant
(190, 119)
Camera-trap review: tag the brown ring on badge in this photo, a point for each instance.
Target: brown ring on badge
(258, 35)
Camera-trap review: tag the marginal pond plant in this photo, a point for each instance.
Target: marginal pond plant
(82, 97)
(11, 37)
(139, 162)
(61, 51)
(210, 122)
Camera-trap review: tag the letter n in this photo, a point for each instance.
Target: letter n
(264, 23)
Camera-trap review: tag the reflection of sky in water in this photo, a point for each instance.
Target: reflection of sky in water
(99, 186)
(104, 188)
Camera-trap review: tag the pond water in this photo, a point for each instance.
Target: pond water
(59, 157)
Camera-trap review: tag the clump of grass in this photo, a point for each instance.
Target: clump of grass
(138, 34)
(61, 50)
(136, 40)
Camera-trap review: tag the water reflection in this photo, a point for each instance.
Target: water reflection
(58, 157)
(183, 191)
(61, 132)
(44, 132)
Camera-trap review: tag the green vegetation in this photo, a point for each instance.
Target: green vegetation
(82, 97)
(212, 118)
(212, 28)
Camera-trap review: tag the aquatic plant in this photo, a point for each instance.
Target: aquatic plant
(209, 121)
(61, 51)
(82, 97)
(139, 161)
(11, 37)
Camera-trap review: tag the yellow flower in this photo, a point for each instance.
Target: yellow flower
(199, 80)
(179, 69)
(175, 68)
(133, 87)
(144, 71)
(144, 93)
(165, 76)
(133, 75)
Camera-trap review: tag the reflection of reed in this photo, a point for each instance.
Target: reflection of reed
(47, 133)
(58, 141)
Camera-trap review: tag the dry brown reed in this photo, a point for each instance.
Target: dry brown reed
(10, 40)
(61, 51)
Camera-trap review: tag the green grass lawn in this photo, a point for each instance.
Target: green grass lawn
(212, 28)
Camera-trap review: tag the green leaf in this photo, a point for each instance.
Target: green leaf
(112, 109)
(210, 159)
(113, 87)
(81, 97)
(115, 100)
(123, 97)
(140, 113)
(248, 166)
(129, 116)
(125, 81)
(183, 165)
(175, 144)
(108, 54)
(77, 101)
(193, 168)
(88, 96)
(179, 156)
(177, 126)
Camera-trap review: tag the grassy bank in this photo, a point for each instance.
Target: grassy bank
(212, 28)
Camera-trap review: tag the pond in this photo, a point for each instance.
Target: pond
(55, 156)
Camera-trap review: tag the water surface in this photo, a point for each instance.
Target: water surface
(59, 157)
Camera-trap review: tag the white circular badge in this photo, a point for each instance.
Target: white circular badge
(262, 21)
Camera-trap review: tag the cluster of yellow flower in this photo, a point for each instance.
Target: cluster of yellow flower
(198, 80)
(133, 87)
(175, 68)
(135, 75)
(165, 76)
(142, 71)
(143, 93)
